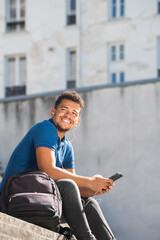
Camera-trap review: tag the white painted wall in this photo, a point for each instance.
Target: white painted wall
(119, 131)
(2, 24)
(47, 38)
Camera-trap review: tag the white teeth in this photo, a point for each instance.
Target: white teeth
(64, 120)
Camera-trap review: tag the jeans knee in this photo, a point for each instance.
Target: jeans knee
(71, 185)
(90, 204)
(90, 201)
(67, 185)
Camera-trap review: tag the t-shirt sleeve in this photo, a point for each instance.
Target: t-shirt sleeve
(45, 135)
(69, 157)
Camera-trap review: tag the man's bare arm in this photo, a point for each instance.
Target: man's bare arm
(46, 163)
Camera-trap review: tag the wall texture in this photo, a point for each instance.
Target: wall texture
(47, 39)
(119, 131)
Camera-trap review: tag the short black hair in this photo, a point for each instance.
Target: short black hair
(70, 95)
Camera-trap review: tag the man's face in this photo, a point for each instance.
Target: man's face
(66, 116)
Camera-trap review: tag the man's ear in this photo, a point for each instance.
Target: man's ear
(53, 111)
(78, 121)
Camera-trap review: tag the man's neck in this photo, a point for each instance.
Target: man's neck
(61, 134)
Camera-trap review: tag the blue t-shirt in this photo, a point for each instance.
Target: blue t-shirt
(43, 134)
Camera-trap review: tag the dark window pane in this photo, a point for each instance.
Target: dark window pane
(113, 53)
(114, 9)
(71, 19)
(113, 77)
(71, 84)
(122, 77)
(158, 7)
(121, 52)
(15, 91)
(122, 8)
(13, 26)
(73, 5)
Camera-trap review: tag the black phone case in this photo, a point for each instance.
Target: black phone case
(116, 176)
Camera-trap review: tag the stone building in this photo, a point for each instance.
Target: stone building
(48, 45)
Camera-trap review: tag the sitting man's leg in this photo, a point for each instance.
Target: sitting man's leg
(73, 210)
(96, 220)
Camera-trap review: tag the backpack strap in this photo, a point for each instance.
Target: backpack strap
(66, 231)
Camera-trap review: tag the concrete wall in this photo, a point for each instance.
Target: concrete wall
(119, 131)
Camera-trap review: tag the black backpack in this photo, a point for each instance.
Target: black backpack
(33, 196)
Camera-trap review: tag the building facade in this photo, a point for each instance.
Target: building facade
(48, 45)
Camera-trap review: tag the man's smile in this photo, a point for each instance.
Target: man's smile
(66, 120)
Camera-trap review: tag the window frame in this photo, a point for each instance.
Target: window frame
(18, 23)
(117, 77)
(122, 77)
(71, 78)
(117, 52)
(116, 9)
(17, 86)
(116, 62)
(122, 8)
(158, 6)
(121, 52)
(113, 53)
(113, 77)
(71, 14)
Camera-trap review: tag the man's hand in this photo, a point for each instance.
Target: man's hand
(100, 185)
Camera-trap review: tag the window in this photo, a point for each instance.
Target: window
(121, 77)
(114, 78)
(117, 52)
(71, 12)
(121, 52)
(116, 63)
(15, 20)
(114, 8)
(117, 77)
(117, 8)
(158, 56)
(121, 8)
(113, 53)
(15, 76)
(71, 78)
(158, 6)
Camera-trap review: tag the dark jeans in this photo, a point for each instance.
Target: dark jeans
(84, 216)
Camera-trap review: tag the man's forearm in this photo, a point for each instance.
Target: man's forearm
(89, 186)
(59, 173)
(86, 192)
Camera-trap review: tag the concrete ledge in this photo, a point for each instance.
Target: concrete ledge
(79, 90)
(16, 229)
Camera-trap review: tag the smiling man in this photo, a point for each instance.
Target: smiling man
(46, 148)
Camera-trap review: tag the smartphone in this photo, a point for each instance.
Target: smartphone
(116, 176)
